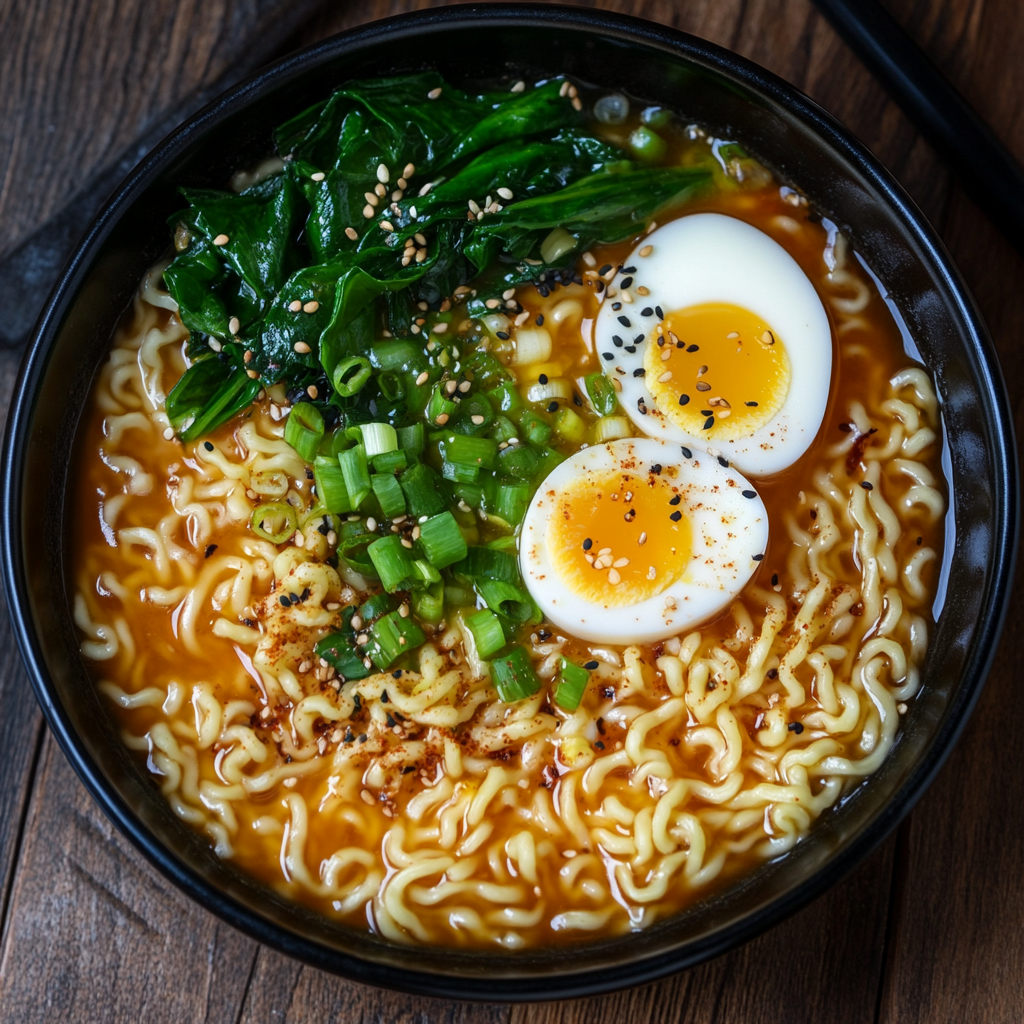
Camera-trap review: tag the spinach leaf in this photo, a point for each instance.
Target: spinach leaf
(209, 393)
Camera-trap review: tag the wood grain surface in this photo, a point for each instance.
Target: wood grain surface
(930, 928)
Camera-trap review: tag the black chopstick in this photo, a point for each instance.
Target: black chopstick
(985, 167)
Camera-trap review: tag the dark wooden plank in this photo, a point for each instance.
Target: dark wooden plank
(96, 934)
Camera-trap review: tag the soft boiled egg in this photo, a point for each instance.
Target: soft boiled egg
(638, 539)
(717, 339)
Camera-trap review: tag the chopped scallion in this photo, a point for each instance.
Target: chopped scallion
(488, 635)
(330, 485)
(391, 637)
(572, 681)
(356, 473)
(392, 562)
(304, 430)
(350, 375)
(601, 393)
(513, 676)
(379, 438)
(389, 494)
(442, 540)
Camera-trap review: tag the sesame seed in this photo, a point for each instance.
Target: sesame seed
(383, 174)
(757, 558)
(351, 233)
(465, 386)
(640, 371)
(709, 423)
(371, 524)
(372, 198)
(477, 420)
(312, 391)
(421, 255)
(234, 325)
(221, 240)
(252, 373)
(614, 577)
(749, 494)
(577, 103)
(646, 250)
(215, 345)
(670, 603)
(665, 377)
(295, 305)
(368, 211)
(248, 356)
(703, 386)
(620, 563)
(168, 433)
(434, 93)
(666, 355)
(642, 539)
(301, 347)
(423, 378)
(564, 89)
(386, 225)
(442, 419)
(311, 307)
(518, 87)
(867, 486)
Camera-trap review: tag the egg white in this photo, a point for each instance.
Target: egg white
(707, 258)
(729, 536)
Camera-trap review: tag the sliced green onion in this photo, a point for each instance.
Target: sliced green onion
(647, 145)
(535, 429)
(557, 388)
(460, 474)
(513, 676)
(611, 428)
(439, 405)
(376, 606)
(390, 462)
(509, 600)
(396, 355)
(601, 392)
(458, 596)
(488, 636)
(572, 681)
(471, 494)
(471, 451)
(334, 443)
(533, 345)
(352, 540)
(503, 430)
(506, 397)
(339, 650)
(549, 459)
(350, 375)
(392, 562)
(379, 438)
(422, 494)
(518, 461)
(495, 324)
(304, 430)
(275, 521)
(569, 426)
(412, 439)
(442, 540)
(511, 502)
(390, 385)
(356, 473)
(557, 243)
(428, 604)
(489, 563)
(475, 415)
(391, 637)
(389, 494)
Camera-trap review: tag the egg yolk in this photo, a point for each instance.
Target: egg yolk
(618, 538)
(717, 370)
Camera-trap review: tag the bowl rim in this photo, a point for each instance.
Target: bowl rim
(618, 27)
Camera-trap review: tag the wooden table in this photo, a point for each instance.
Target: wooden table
(930, 928)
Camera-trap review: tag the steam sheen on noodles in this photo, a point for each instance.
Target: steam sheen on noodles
(446, 815)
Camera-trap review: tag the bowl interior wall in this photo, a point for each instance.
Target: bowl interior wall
(800, 153)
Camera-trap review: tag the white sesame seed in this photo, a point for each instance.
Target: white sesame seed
(465, 386)
(425, 189)
(318, 176)
(383, 174)
(492, 303)
(522, 318)
(332, 538)
(518, 87)
(642, 539)
(670, 603)
(577, 103)
(234, 325)
(386, 225)
(406, 543)
(505, 193)
(311, 307)
(215, 345)
(403, 609)
(423, 378)
(442, 419)
(414, 214)
(410, 170)
(379, 190)
(416, 531)
(651, 572)
(666, 354)
(434, 93)
(367, 211)
(406, 260)
(620, 563)
(371, 524)
(647, 250)
(440, 328)
(295, 305)
(614, 577)
(352, 233)
(372, 198)
(221, 240)
(301, 347)
(312, 391)
(474, 206)
(477, 420)
(508, 293)
(666, 376)
(450, 387)
(420, 238)
(168, 433)
(421, 255)
(252, 373)
(564, 89)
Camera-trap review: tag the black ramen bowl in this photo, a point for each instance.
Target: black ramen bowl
(731, 98)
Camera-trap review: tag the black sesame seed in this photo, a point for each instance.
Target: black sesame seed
(675, 500)
(687, 454)
(772, 673)
(607, 355)
(552, 406)
(709, 423)
(543, 378)
(208, 446)
(706, 412)
(624, 320)
(749, 494)
(753, 405)
(757, 558)
(641, 406)
(676, 516)
(210, 548)
(625, 282)
(544, 634)
(362, 737)
(646, 311)
(540, 320)
(604, 270)
(616, 341)
(723, 462)
(304, 596)
(284, 600)
(796, 727)
(397, 674)
(631, 348)
(406, 768)
(390, 721)
(629, 270)
(502, 334)
(639, 371)
(590, 666)
(588, 544)
(684, 399)
(656, 469)
(919, 541)
(867, 486)
(599, 745)
(657, 309)
(616, 306)
(693, 348)
(638, 339)
(325, 527)
(576, 400)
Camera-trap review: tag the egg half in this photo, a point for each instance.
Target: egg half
(716, 338)
(639, 539)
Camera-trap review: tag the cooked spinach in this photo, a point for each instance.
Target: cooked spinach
(287, 280)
